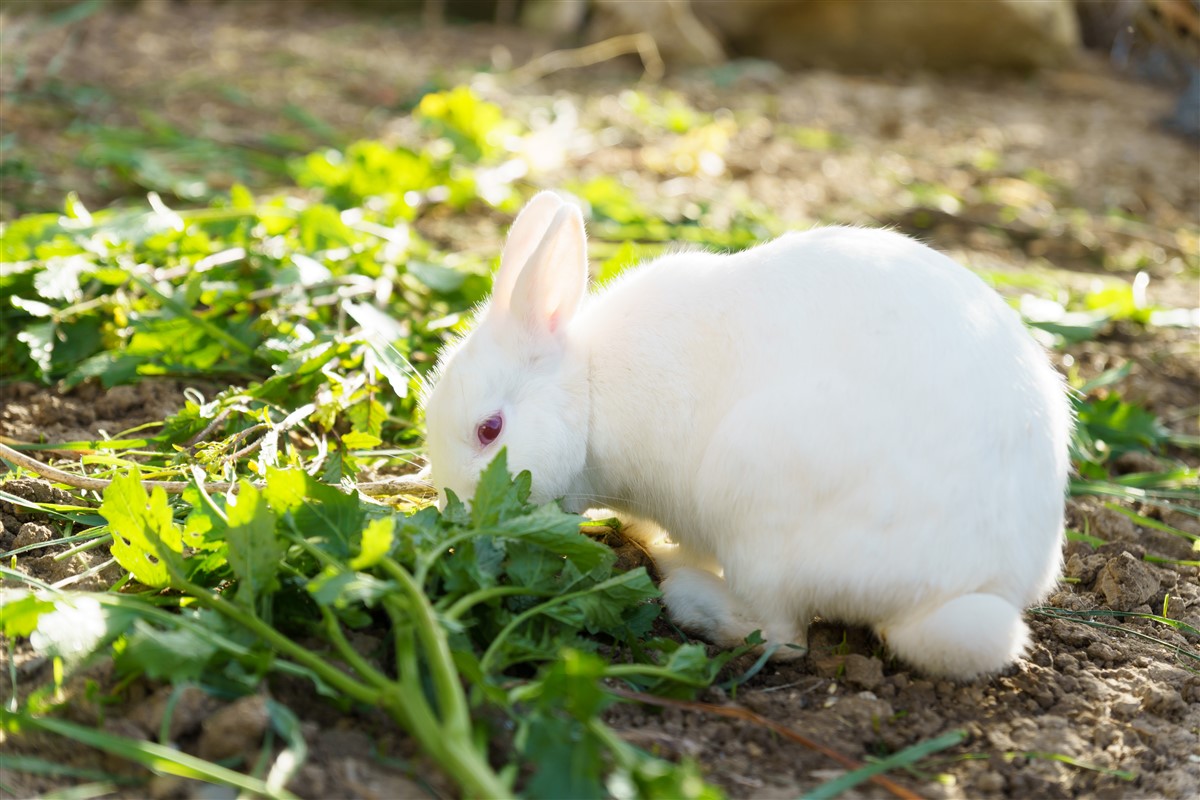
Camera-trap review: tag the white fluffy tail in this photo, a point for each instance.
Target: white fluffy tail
(968, 636)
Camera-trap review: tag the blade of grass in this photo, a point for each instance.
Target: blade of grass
(1082, 617)
(745, 714)
(41, 766)
(154, 757)
(904, 758)
(83, 791)
(1063, 758)
(1147, 522)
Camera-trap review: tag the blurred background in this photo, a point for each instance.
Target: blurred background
(186, 97)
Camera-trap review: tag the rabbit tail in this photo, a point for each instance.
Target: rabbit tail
(971, 635)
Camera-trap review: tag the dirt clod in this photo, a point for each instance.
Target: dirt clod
(38, 491)
(33, 533)
(191, 706)
(235, 731)
(1126, 582)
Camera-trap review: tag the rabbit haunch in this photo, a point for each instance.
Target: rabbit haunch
(840, 422)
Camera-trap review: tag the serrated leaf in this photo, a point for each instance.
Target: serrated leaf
(204, 528)
(551, 528)
(366, 417)
(603, 605)
(497, 495)
(376, 542)
(566, 756)
(144, 533)
(254, 550)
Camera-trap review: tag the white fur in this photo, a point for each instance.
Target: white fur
(841, 422)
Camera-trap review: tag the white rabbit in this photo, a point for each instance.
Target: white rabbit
(841, 422)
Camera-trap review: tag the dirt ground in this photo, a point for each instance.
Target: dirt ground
(1087, 705)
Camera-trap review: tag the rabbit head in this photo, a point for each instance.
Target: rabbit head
(517, 380)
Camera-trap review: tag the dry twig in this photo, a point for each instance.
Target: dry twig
(641, 43)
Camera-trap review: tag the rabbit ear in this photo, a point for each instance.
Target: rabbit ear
(524, 236)
(551, 285)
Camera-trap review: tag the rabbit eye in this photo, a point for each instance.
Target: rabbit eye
(489, 429)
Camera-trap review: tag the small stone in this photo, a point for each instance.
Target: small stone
(1126, 582)
(235, 731)
(1125, 707)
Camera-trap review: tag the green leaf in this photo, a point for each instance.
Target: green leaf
(254, 550)
(339, 588)
(1121, 426)
(22, 610)
(175, 655)
(376, 543)
(602, 607)
(497, 495)
(144, 533)
(286, 489)
(445, 280)
(240, 197)
(360, 441)
(556, 531)
(156, 757)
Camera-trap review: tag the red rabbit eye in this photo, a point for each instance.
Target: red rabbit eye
(489, 429)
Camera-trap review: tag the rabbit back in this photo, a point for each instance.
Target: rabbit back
(849, 422)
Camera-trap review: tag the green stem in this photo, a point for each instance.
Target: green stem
(344, 649)
(332, 676)
(480, 595)
(451, 700)
(651, 671)
(456, 753)
(411, 705)
(494, 647)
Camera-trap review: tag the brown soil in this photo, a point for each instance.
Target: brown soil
(1084, 703)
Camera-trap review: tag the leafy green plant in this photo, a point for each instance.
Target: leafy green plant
(469, 595)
